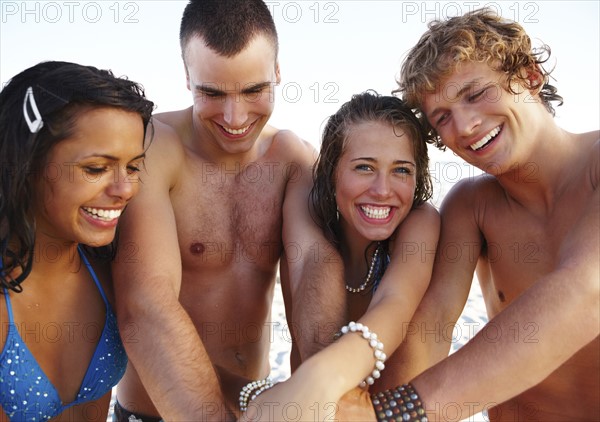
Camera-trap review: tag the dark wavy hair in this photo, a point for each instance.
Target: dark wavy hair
(478, 36)
(61, 92)
(227, 26)
(365, 107)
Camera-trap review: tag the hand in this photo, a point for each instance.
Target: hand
(291, 401)
(355, 406)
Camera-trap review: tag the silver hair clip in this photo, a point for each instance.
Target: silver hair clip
(37, 124)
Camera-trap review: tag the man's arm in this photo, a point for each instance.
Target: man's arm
(337, 370)
(563, 305)
(427, 341)
(350, 359)
(166, 351)
(312, 269)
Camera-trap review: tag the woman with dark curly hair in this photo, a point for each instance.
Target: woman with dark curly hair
(72, 141)
(371, 187)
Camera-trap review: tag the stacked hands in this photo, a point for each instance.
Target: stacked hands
(402, 401)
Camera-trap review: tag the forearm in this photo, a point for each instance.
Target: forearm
(318, 301)
(517, 349)
(173, 364)
(231, 387)
(427, 340)
(338, 369)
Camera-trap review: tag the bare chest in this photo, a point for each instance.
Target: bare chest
(520, 247)
(229, 215)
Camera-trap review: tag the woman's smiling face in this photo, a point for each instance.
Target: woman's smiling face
(90, 177)
(375, 180)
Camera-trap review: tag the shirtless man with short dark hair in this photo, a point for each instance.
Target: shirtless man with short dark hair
(224, 195)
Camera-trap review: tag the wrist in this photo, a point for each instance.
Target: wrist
(252, 390)
(324, 374)
(376, 346)
(400, 402)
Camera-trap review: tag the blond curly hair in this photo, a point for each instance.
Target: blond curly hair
(478, 36)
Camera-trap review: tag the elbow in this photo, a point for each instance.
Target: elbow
(128, 321)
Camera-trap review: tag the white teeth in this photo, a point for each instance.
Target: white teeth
(104, 215)
(376, 213)
(485, 139)
(236, 131)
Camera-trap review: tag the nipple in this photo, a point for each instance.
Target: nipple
(197, 248)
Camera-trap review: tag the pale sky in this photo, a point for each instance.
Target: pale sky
(329, 50)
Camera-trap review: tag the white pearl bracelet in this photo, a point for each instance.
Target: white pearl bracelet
(375, 344)
(252, 390)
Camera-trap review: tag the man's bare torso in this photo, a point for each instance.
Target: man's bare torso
(519, 247)
(229, 229)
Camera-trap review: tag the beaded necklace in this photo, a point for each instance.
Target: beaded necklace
(369, 277)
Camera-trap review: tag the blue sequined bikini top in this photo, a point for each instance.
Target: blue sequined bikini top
(28, 395)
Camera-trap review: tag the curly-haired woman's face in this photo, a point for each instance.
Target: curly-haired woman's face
(375, 181)
(90, 177)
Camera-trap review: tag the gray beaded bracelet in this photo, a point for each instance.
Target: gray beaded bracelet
(399, 404)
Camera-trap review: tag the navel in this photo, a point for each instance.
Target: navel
(197, 248)
(501, 296)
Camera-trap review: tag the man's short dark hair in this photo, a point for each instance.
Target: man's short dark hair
(227, 26)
